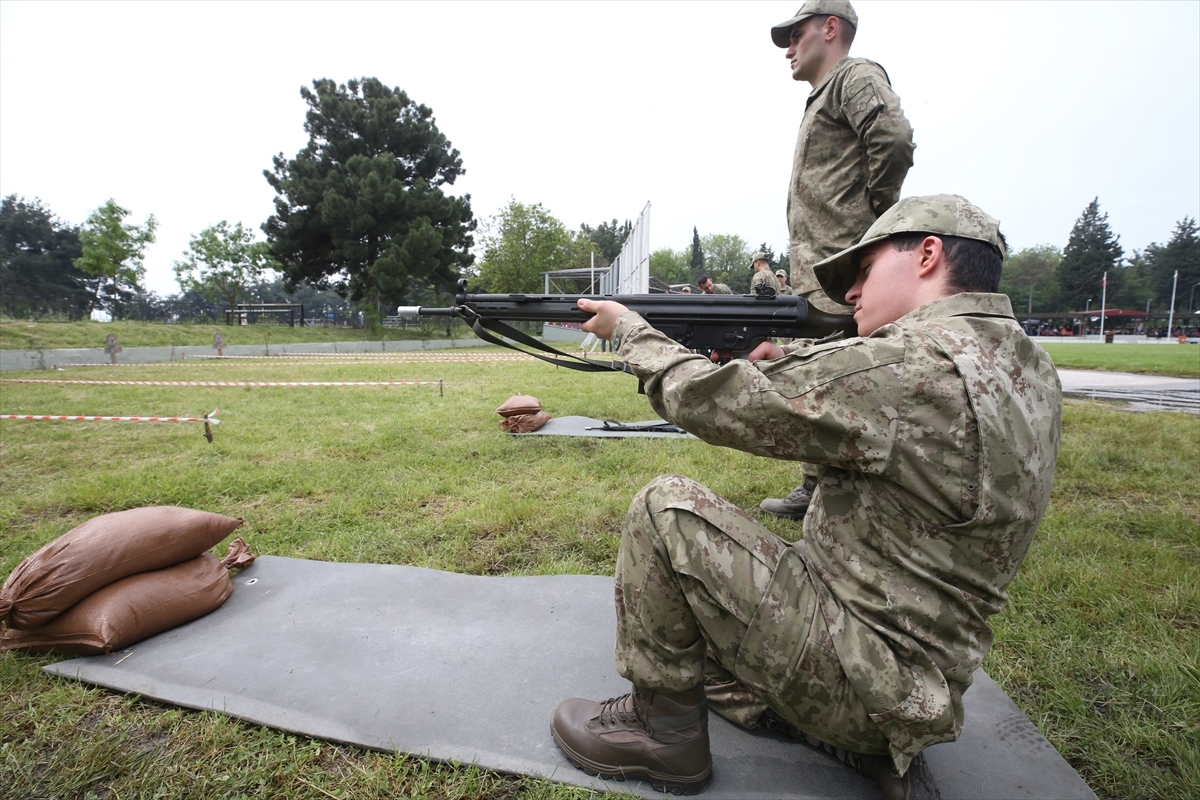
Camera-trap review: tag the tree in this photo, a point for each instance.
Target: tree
(221, 263)
(519, 244)
(112, 252)
(1030, 279)
(609, 238)
(697, 262)
(1091, 251)
(670, 266)
(37, 254)
(727, 260)
(361, 209)
(1181, 253)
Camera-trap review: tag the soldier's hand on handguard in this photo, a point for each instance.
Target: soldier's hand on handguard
(765, 351)
(606, 312)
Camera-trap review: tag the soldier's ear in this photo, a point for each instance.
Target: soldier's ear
(932, 257)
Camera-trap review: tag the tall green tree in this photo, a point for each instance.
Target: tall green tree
(670, 266)
(609, 238)
(222, 262)
(361, 208)
(727, 260)
(697, 260)
(37, 254)
(113, 250)
(519, 244)
(1181, 252)
(1092, 250)
(1030, 279)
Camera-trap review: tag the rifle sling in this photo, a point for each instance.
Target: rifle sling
(484, 329)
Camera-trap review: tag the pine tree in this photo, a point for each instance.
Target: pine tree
(1181, 253)
(697, 262)
(361, 209)
(1092, 250)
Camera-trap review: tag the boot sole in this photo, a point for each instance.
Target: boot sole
(671, 784)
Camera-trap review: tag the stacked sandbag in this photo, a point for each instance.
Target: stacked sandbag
(522, 414)
(117, 579)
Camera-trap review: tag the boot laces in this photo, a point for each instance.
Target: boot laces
(620, 709)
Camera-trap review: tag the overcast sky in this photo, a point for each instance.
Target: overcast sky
(592, 109)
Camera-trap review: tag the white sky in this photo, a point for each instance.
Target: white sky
(593, 109)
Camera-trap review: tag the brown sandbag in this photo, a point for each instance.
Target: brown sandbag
(525, 423)
(519, 404)
(130, 610)
(101, 551)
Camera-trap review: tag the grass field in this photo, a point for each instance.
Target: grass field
(29, 335)
(1100, 645)
(1181, 361)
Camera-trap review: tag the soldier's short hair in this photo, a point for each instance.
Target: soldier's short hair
(703, 280)
(846, 29)
(971, 265)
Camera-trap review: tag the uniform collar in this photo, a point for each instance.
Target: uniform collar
(834, 70)
(964, 304)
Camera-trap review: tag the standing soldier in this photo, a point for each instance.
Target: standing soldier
(854, 149)
(760, 262)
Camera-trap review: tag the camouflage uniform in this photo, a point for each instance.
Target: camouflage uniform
(935, 441)
(721, 288)
(853, 151)
(764, 277)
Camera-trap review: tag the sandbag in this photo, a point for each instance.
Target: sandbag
(130, 610)
(101, 551)
(524, 423)
(519, 404)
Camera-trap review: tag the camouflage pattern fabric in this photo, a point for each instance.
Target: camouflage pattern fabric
(934, 441)
(696, 574)
(764, 277)
(721, 288)
(854, 149)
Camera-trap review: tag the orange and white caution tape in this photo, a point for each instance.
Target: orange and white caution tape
(288, 384)
(208, 419)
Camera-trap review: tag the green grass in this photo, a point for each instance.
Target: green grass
(30, 335)
(1100, 646)
(1175, 360)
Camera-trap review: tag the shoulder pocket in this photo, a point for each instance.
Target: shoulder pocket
(862, 101)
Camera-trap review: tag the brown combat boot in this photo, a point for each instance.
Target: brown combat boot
(875, 768)
(795, 505)
(657, 737)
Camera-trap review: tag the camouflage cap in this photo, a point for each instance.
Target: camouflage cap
(759, 256)
(938, 214)
(781, 34)
(780, 273)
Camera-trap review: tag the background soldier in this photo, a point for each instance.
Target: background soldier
(852, 154)
(708, 287)
(760, 262)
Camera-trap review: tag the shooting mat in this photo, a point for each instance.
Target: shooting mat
(586, 426)
(469, 668)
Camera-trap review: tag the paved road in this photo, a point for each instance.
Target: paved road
(1141, 392)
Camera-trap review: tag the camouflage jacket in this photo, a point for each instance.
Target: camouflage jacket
(935, 441)
(765, 277)
(721, 288)
(853, 151)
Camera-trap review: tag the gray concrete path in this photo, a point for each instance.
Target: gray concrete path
(1141, 392)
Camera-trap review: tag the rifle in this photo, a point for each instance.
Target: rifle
(724, 326)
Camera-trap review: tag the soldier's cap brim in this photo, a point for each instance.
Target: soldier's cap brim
(838, 273)
(781, 34)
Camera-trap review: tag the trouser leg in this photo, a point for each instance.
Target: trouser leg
(696, 575)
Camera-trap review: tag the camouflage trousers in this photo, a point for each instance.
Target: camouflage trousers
(705, 593)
